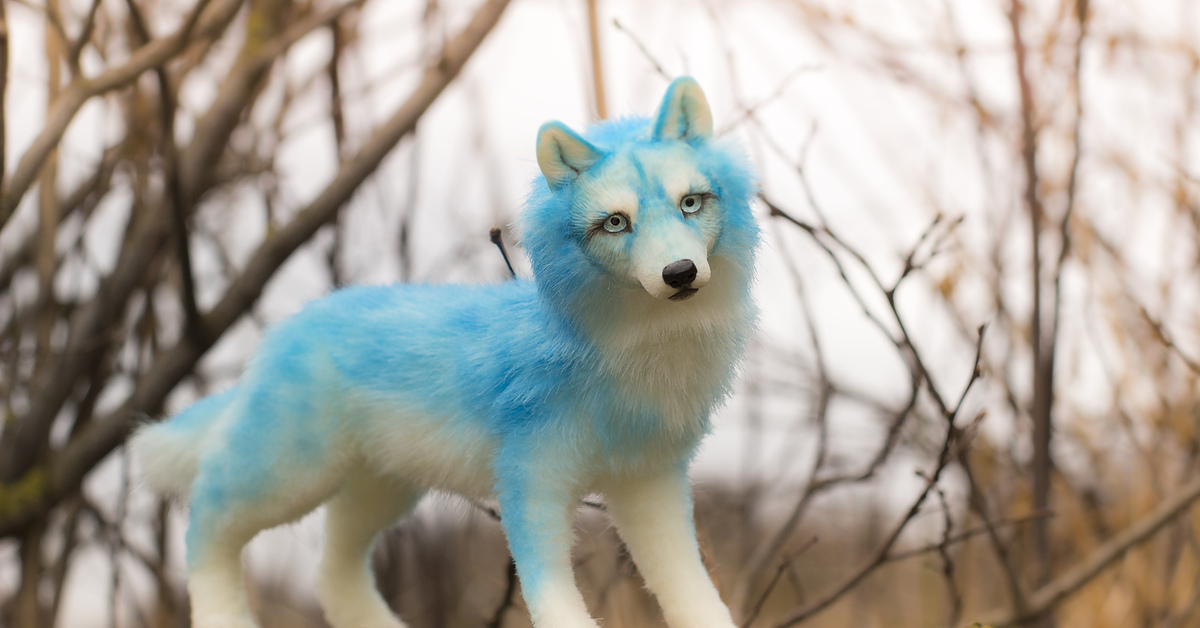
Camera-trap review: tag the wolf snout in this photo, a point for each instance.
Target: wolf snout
(680, 274)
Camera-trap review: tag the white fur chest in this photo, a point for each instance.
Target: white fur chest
(680, 371)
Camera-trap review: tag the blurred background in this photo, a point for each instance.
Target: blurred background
(177, 175)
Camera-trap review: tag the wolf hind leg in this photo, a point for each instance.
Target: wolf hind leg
(364, 506)
(231, 503)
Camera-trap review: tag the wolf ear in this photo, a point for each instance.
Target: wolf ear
(563, 155)
(684, 112)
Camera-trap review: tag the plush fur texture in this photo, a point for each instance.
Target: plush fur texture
(598, 376)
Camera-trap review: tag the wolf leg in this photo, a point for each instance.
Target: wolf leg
(365, 505)
(536, 514)
(654, 518)
(215, 584)
(232, 500)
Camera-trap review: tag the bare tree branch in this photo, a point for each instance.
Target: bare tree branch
(784, 565)
(1104, 556)
(175, 199)
(3, 86)
(1041, 343)
(170, 366)
(238, 88)
(598, 92)
(83, 89)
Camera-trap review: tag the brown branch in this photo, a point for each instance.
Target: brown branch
(598, 95)
(978, 503)
(85, 34)
(510, 590)
(1103, 557)
(912, 359)
(83, 89)
(3, 86)
(954, 445)
(84, 198)
(1042, 345)
(784, 565)
(172, 365)
(816, 232)
(338, 119)
(818, 484)
(965, 535)
(23, 444)
(25, 440)
(1168, 340)
(954, 613)
(167, 105)
(749, 111)
(336, 97)
(237, 91)
(879, 557)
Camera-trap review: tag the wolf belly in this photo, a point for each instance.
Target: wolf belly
(428, 450)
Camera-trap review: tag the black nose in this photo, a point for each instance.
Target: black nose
(680, 274)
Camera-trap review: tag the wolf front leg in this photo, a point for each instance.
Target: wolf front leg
(536, 509)
(654, 517)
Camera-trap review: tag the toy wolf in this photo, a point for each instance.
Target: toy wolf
(598, 376)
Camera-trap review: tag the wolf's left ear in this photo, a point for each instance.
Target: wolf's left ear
(563, 155)
(684, 112)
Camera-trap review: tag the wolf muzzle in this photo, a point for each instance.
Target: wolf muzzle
(680, 275)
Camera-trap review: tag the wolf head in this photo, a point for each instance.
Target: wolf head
(655, 208)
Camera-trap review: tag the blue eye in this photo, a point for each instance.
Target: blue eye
(691, 203)
(616, 223)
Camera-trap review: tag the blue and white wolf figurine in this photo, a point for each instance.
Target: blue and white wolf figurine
(599, 376)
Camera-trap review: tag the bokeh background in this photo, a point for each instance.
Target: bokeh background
(177, 175)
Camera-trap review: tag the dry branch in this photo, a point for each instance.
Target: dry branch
(1103, 557)
(170, 366)
(82, 89)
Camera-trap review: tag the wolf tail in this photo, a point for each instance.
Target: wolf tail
(169, 451)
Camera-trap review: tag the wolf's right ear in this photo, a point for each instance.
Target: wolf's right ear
(684, 112)
(563, 155)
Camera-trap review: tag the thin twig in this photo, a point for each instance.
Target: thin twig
(3, 88)
(497, 239)
(171, 365)
(1042, 344)
(750, 110)
(642, 47)
(193, 325)
(784, 566)
(510, 590)
(81, 90)
(954, 613)
(965, 535)
(85, 34)
(978, 503)
(879, 557)
(1165, 337)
